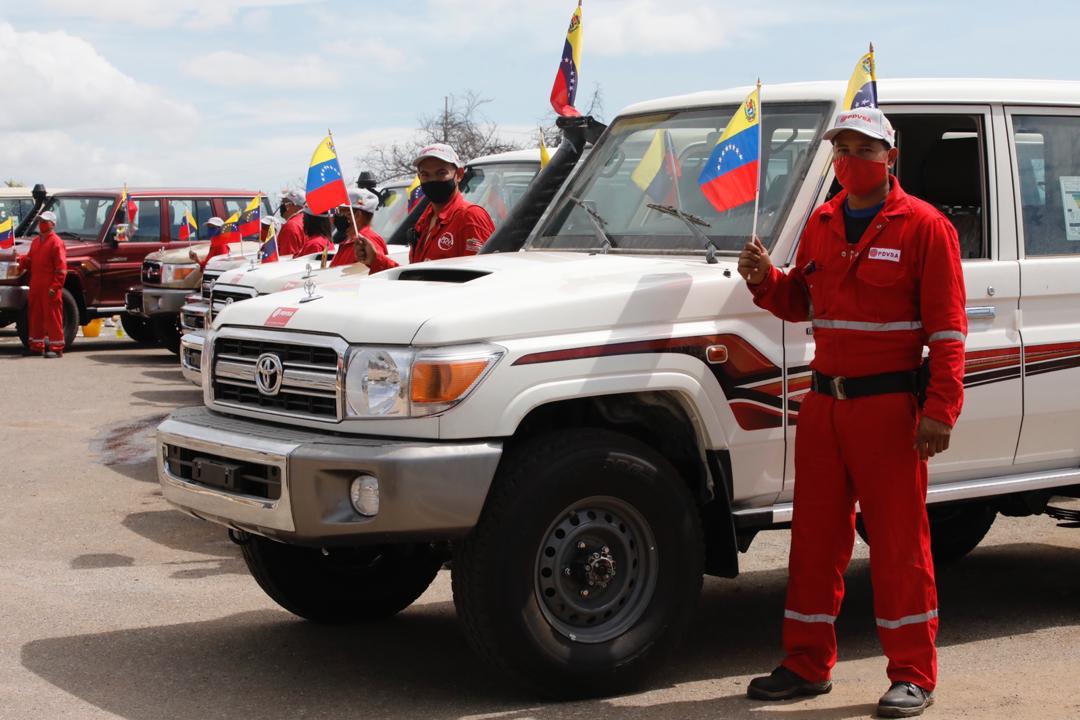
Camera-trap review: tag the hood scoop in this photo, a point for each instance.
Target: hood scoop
(444, 275)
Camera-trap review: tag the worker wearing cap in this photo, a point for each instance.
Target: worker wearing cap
(450, 226)
(317, 229)
(361, 241)
(878, 276)
(47, 263)
(291, 237)
(218, 242)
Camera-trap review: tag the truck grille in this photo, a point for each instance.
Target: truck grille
(226, 474)
(151, 272)
(209, 277)
(308, 376)
(190, 320)
(219, 298)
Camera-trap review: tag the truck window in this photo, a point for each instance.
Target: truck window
(146, 225)
(1048, 165)
(82, 216)
(392, 213)
(498, 187)
(943, 161)
(15, 208)
(233, 205)
(201, 210)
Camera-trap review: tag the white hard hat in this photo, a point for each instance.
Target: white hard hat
(361, 199)
(867, 121)
(216, 222)
(48, 216)
(294, 196)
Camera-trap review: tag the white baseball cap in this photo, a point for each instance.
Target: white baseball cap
(48, 216)
(440, 151)
(216, 222)
(361, 199)
(294, 196)
(865, 120)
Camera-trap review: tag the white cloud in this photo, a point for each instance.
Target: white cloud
(228, 68)
(196, 14)
(61, 82)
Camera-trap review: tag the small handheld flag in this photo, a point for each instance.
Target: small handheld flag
(128, 205)
(188, 228)
(7, 234)
(250, 218)
(325, 185)
(658, 172)
(415, 192)
(862, 88)
(730, 176)
(565, 88)
(230, 233)
(268, 250)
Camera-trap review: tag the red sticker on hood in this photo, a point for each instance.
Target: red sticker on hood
(281, 317)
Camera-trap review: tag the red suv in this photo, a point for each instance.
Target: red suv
(101, 267)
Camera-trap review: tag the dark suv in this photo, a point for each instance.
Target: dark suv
(104, 264)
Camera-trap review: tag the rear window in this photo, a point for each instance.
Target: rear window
(1048, 164)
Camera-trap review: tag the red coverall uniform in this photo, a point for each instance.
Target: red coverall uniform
(873, 305)
(346, 254)
(292, 237)
(47, 263)
(313, 244)
(219, 245)
(460, 229)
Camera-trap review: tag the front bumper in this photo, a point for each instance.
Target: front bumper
(428, 490)
(193, 315)
(161, 301)
(13, 297)
(191, 347)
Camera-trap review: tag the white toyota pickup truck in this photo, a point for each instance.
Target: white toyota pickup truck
(590, 424)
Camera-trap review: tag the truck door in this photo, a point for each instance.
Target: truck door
(122, 265)
(1045, 149)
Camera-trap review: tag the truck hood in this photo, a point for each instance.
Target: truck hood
(287, 274)
(180, 255)
(496, 296)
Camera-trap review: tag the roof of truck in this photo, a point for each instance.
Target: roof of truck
(957, 91)
(528, 155)
(162, 191)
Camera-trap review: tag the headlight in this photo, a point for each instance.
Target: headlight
(9, 270)
(171, 273)
(395, 382)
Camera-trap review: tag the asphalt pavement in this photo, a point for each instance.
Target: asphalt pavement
(114, 605)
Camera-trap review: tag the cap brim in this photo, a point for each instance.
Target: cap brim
(833, 132)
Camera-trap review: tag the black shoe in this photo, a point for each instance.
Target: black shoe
(783, 684)
(903, 700)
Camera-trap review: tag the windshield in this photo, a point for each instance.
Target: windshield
(631, 168)
(392, 213)
(81, 216)
(498, 187)
(15, 208)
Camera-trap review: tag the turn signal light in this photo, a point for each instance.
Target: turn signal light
(444, 381)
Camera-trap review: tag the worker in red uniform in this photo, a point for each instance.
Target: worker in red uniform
(362, 207)
(450, 226)
(219, 243)
(291, 237)
(878, 276)
(47, 263)
(317, 229)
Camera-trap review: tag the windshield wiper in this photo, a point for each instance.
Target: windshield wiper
(695, 224)
(69, 234)
(597, 223)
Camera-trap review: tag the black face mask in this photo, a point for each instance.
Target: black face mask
(341, 223)
(281, 209)
(439, 191)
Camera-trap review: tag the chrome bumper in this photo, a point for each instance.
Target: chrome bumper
(13, 297)
(161, 301)
(191, 347)
(428, 490)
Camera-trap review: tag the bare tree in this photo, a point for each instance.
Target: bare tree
(551, 132)
(460, 124)
(13, 184)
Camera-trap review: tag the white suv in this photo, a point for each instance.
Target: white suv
(592, 424)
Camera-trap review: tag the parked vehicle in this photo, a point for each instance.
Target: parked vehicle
(169, 275)
(497, 182)
(592, 424)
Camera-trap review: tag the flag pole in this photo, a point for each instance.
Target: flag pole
(352, 217)
(673, 162)
(761, 154)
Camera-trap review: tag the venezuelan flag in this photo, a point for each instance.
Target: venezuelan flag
(658, 172)
(187, 227)
(862, 88)
(268, 250)
(7, 234)
(231, 232)
(325, 186)
(249, 219)
(730, 176)
(565, 88)
(415, 192)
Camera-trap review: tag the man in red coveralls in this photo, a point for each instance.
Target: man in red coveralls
(878, 275)
(47, 263)
(362, 206)
(291, 237)
(450, 226)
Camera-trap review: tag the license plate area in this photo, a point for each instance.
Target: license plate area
(215, 473)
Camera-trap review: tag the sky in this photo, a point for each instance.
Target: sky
(237, 93)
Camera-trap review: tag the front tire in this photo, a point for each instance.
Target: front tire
(139, 329)
(343, 585)
(71, 321)
(585, 567)
(167, 331)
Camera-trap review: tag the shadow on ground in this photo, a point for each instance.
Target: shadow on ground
(270, 665)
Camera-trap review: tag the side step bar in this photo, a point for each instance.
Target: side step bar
(780, 513)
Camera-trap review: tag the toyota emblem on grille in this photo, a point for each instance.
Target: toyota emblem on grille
(268, 374)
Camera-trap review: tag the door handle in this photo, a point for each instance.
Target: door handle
(986, 312)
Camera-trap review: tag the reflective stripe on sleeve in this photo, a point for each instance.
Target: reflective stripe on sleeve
(820, 618)
(907, 620)
(867, 326)
(948, 335)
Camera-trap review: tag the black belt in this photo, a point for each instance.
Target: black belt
(844, 388)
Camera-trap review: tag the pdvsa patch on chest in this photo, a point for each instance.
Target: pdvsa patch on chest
(890, 254)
